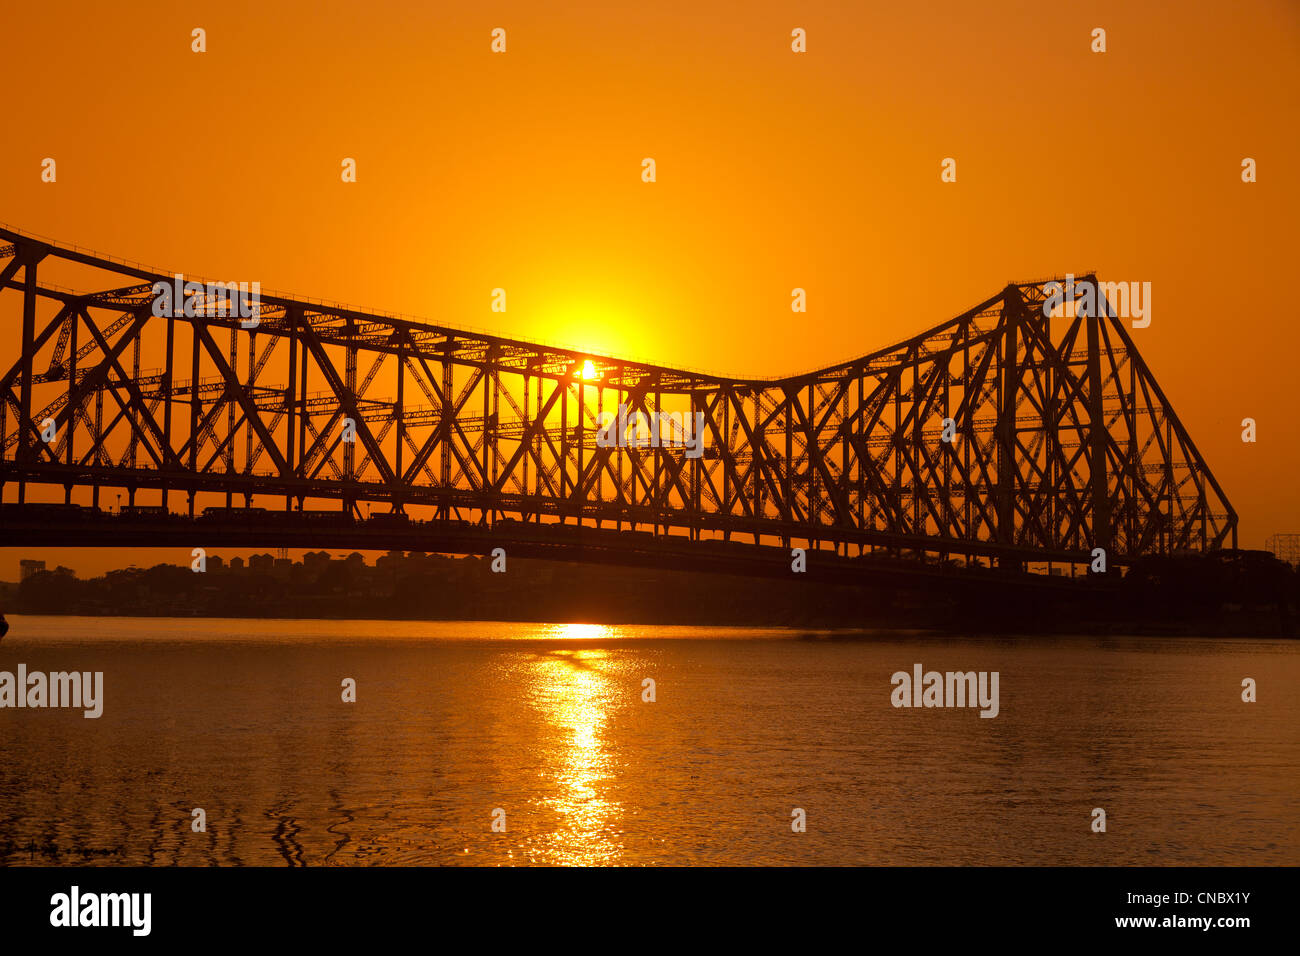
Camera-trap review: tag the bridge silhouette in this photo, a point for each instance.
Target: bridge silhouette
(1001, 437)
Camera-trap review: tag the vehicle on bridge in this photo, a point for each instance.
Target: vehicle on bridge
(323, 517)
(49, 511)
(147, 511)
(234, 515)
(389, 518)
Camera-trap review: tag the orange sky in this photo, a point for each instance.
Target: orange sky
(775, 170)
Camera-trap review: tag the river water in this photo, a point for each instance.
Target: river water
(547, 724)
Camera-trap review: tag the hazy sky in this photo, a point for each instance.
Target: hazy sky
(775, 170)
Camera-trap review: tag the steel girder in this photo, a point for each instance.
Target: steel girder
(1001, 432)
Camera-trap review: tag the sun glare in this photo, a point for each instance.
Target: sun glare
(579, 632)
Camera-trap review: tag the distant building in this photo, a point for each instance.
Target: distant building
(315, 560)
(28, 566)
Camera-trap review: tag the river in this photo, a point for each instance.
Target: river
(545, 730)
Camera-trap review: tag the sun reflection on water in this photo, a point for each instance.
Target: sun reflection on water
(579, 632)
(576, 692)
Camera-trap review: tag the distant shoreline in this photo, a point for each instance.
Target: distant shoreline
(1129, 628)
(1243, 595)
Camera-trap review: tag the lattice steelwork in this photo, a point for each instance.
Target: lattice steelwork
(1062, 440)
(1285, 547)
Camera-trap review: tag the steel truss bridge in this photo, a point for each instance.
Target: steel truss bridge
(1001, 436)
